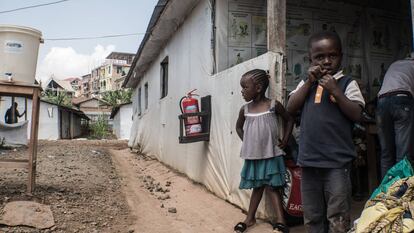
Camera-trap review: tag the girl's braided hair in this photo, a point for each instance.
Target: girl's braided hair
(259, 77)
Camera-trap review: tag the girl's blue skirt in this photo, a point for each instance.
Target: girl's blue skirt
(261, 172)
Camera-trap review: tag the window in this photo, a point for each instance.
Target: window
(109, 69)
(139, 101)
(146, 95)
(118, 69)
(164, 77)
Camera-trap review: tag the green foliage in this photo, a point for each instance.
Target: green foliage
(115, 98)
(59, 98)
(100, 128)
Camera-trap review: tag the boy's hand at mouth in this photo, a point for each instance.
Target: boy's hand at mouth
(328, 82)
(315, 73)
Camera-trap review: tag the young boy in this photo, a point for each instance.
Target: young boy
(329, 103)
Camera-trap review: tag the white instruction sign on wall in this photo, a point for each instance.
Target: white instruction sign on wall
(13, 46)
(247, 30)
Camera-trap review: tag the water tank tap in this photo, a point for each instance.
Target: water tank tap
(9, 76)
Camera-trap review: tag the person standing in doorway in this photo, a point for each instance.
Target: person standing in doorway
(12, 114)
(395, 113)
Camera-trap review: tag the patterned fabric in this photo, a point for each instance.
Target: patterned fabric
(391, 211)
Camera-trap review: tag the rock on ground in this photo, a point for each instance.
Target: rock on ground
(27, 213)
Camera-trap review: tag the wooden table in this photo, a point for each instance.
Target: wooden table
(18, 89)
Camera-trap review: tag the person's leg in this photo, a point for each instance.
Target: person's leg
(338, 199)
(403, 126)
(254, 203)
(411, 148)
(313, 202)
(276, 201)
(386, 134)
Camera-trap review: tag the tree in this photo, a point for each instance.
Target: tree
(117, 97)
(59, 98)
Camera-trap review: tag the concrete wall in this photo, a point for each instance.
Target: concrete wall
(93, 103)
(126, 121)
(216, 163)
(49, 119)
(116, 125)
(48, 116)
(122, 122)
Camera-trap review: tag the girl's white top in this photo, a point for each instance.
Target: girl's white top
(260, 139)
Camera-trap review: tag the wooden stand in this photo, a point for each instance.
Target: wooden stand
(205, 116)
(16, 89)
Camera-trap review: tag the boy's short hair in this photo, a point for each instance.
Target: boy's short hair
(325, 35)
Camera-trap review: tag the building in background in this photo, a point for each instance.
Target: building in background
(55, 86)
(110, 75)
(85, 85)
(95, 81)
(94, 108)
(121, 63)
(75, 83)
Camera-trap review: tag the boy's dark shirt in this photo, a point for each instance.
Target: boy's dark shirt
(326, 133)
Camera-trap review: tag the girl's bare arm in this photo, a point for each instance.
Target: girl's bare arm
(287, 123)
(240, 123)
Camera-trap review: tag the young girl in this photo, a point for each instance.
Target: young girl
(264, 167)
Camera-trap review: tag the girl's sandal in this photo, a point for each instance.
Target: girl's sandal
(240, 227)
(280, 228)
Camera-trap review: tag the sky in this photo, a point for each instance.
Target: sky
(80, 18)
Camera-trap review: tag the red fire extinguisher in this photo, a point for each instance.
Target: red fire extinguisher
(188, 104)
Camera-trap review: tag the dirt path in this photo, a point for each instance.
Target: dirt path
(152, 190)
(77, 180)
(99, 186)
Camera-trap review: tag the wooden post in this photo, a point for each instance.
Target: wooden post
(71, 125)
(19, 89)
(13, 113)
(25, 109)
(33, 141)
(276, 43)
(412, 25)
(276, 46)
(276, 26)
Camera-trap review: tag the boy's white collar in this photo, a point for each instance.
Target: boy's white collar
(339, 75)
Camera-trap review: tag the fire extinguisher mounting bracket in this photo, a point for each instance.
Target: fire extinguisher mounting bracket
(204, 115)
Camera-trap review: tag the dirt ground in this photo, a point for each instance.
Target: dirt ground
(100, 186)
(77, 180)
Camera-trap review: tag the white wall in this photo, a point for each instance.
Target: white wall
(122, 122)
(116, 126)
(48, 118)
(48, 123)
(126, 121)
(216, 164)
